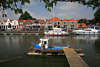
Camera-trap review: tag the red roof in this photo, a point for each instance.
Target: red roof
(11, 20)
(42, 21)
(5, 20)
(65, 20)
(70, 20)
(73, 20)
(55, 19)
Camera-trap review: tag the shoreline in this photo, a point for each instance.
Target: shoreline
(20, 33)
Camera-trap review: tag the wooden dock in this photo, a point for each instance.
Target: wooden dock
(74, 59)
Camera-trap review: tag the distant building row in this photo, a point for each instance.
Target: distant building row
(30, 25)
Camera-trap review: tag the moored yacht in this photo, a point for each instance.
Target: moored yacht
(91, 30)
(56, 32)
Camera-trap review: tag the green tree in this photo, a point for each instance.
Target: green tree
(83, 21)
(97, 16)
(14, 5)
(26, 16)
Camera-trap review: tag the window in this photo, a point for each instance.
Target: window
(58, 23)
(87, 30)
(72, 22)
(27, 22)
(45, 42)
(21, 22)
(49, 23)
(55, 25)
(9, 25)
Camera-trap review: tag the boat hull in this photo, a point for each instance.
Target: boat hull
(51, 52)
(57, 34)
(86, 32)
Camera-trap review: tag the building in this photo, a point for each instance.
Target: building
(8, 25)
(54, 22)
(29, 25)
(40, 25)
(70, 23)
(66, 23)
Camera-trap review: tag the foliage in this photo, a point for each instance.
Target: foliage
(83, 21)
(13, 5)
(26, 16)
(97, 16)
(97, 46)
(95, 4)
(91, 3)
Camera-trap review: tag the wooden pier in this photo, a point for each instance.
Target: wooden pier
(74, 59)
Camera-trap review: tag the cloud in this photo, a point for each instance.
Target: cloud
(32, 3)
(73, 10)
(68, 5)
(63, 10)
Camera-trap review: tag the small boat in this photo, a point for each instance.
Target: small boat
(80, 52)
(43, 49)
(56, 32)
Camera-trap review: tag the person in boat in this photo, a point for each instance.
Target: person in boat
(43, 48)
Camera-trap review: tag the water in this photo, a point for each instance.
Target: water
(37, 61)
(12, 49)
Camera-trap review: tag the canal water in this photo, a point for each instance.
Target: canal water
(13, 48)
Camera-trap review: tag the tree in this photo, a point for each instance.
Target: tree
(13, 5)
(26, 16)
(97, 16)
(83, 21)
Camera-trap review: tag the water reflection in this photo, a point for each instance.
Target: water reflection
(12, 49)
(61, 41)
(86, 37)
(97, 46)
(13, 46)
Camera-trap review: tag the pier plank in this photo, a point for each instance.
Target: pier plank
(74, 59)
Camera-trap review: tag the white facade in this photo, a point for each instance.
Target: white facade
(9, 25)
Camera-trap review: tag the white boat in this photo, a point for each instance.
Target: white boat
(56, 32)
(86, 31)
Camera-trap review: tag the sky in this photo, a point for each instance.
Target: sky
(63, 10)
